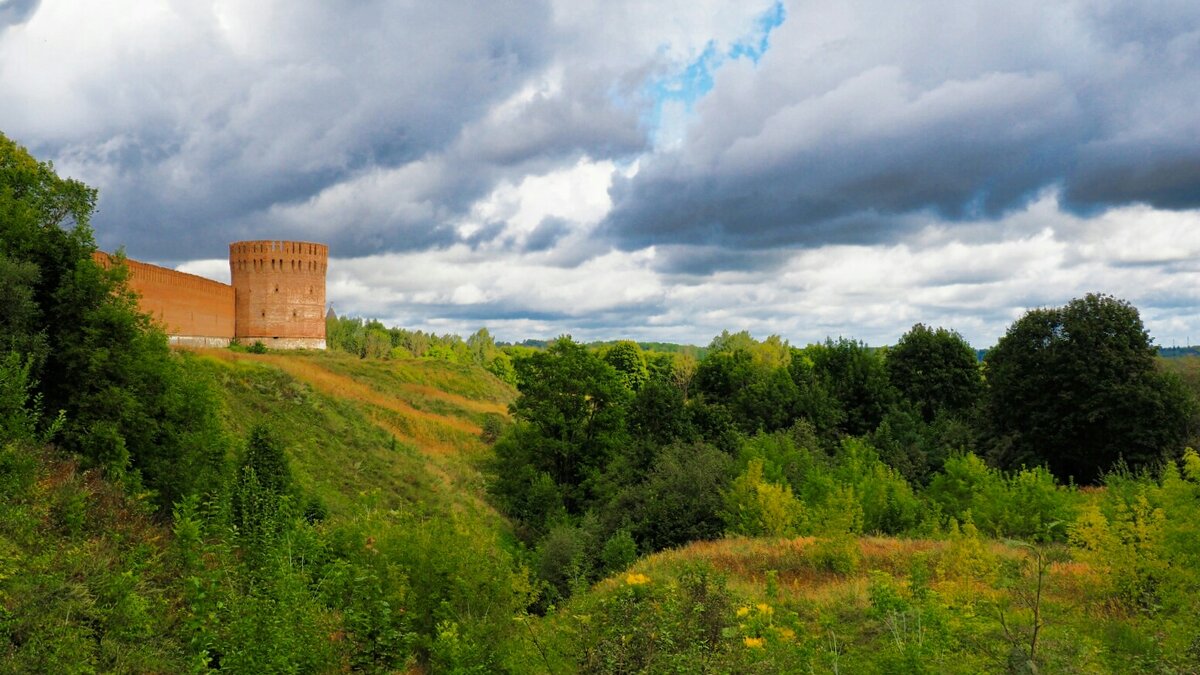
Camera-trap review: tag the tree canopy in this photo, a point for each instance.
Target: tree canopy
(93, 355)
(936, 370)
(1076, 388)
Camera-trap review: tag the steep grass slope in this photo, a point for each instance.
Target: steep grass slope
(409, 430)
(92, 581)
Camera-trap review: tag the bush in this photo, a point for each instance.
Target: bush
(18, 409)
(1027, 504)
(620, 551)
(836, 555)
(651, 624)
(756, 508)
(563, 560)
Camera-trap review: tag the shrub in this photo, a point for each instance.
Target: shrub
(1027, 504)
(620, 551)
(18, 408)
(651, 624)
(755, 507)
(837, 555)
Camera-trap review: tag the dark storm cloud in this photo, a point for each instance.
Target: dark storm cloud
(202, 142)
(699, 261)
(859, 118)
(546, 234)
(13, 12)
(579, 119)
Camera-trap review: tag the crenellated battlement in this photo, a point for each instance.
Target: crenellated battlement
(296, 257)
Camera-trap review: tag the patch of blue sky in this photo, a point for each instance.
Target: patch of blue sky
(674, 95)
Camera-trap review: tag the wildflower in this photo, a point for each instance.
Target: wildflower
(743, 611)
(636, 579)
(764, 608)
(786, 633)
(754, 642)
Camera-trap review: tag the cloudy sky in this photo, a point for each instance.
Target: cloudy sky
(658, 170)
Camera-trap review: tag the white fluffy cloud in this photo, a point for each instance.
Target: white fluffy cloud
(654, 170)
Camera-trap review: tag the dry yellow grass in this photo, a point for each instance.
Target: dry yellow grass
(345, 387)
(747, 562)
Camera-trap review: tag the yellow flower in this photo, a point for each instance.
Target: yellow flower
(636, 579)
(764, 608)
(786, 633)
(753, 642)
(743, 611)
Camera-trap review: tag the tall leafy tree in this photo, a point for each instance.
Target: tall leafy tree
(630, 363)
(854, 375)
(936, 370)
(1076, 388)
(570, 419)
(128, 402)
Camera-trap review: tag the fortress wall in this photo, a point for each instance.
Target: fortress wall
(279, 291)
(187, 306)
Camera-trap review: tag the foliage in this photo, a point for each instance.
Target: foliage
(751, 379)
(19, 410)
(127, 403)
(755, 507)
(371, 340)
(855, 376)
(83, 585)
(1076, 388)
(653, 625)
(680, 501)
(851, 491)
(1027, 504)
(627, 359)
(936, 370)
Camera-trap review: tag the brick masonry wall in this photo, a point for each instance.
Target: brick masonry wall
(184, 304)
(279, 291)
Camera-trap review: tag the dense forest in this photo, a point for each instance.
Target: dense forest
(562, 507)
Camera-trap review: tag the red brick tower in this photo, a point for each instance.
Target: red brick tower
(279, 293)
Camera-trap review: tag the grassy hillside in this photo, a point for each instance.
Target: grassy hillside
(409, 430)
(405, 563)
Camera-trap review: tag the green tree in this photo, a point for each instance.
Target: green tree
(1076, 388)
(855, 376)
(680, 500)
(756, 507)
(936, 370)
(482, 347)
(570, 420)
(751, 379)
(658, 414)
(128, 401)
(630, 363)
